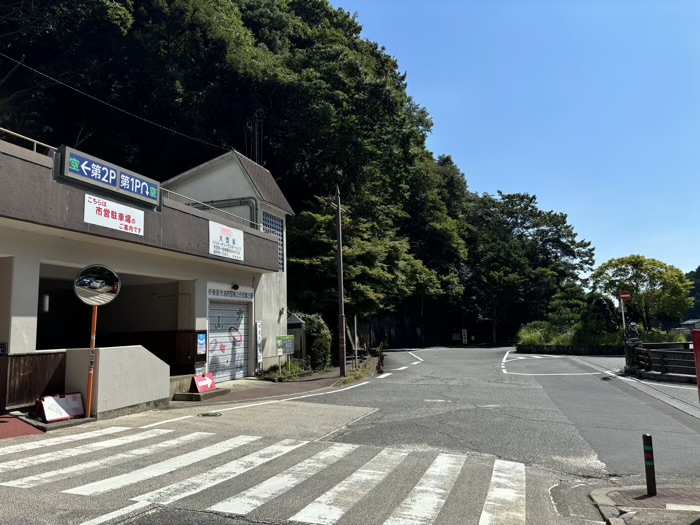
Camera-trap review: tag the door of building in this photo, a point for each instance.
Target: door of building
(228, 340)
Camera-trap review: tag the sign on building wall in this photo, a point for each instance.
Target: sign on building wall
(113, 215)
(285, 344)
(225, 241)
(201, 344)
(258, 327)
(230, 291)
(96, 172)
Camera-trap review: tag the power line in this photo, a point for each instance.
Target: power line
(113, 106)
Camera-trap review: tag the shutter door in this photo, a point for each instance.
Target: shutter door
(228, 341)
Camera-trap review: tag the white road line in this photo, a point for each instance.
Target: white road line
(116, 513)
(425, 501)
(416, 362)
(397, 369)
(251, 405)
(330, 507)
(220, 474)
(166, 421)
(91, 466)
(505, 500)
(249, 500)
(48, 457)
(503, 362)
(382, 376)
(158, 469)
(23, 447)
(562, 374)
(414, 355)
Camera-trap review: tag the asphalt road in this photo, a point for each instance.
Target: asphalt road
(445, 436)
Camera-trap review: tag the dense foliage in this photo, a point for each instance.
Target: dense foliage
(318, 341)
(328, 109)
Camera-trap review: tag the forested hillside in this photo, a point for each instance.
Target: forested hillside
(173, 83)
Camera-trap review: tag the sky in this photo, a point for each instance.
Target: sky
(591, 105)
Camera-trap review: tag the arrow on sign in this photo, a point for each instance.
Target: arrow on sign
(206, 382)
(84, 167)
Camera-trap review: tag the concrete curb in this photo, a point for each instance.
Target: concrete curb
(606, 506)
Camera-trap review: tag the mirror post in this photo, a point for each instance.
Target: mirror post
(91, 366)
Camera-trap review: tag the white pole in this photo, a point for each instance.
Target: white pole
(622, 310)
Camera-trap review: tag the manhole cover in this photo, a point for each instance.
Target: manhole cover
(210, 414)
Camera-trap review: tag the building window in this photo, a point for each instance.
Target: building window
(275, 225)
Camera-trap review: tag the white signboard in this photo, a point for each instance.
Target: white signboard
(113, 215)
(258, 326)
(225, 241)
(465, 339)
(230, 291)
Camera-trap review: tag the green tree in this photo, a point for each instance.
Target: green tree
(659, 291)
(694, 277)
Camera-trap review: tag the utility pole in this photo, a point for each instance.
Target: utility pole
(341, 298)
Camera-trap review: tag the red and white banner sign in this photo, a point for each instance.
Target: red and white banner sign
(203, 383)
(113, 215)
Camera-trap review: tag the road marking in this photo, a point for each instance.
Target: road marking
(561, 374)
(397, 369)
(250, 405)
(414, 355)
(166, 421)
(23, 447)
(55, 475)
(505, 500)
(116, 513)
(164, 467)
(427, 498)
(249, 500)
(503, 362)
(78, 451)
(220, 474)
(382, 376)
(330, 507)
(416, 362)
(437, 401)
(679, 506)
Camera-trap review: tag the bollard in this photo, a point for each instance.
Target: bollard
(649, 465)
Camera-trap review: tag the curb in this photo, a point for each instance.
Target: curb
(606, 506)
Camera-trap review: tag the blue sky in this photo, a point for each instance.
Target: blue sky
(592, 105)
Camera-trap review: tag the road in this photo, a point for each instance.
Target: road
(444, 436)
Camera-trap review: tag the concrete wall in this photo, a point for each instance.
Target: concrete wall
(271, 309)
(126, 378)
(218, 180)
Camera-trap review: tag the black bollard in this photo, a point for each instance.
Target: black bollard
(649, 465)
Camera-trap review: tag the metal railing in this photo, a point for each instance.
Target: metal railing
(33, 142)
(208, 208)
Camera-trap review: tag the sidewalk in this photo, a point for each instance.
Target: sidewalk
(672, 505)
(250, 389)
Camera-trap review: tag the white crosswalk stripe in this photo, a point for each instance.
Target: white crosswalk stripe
(33, 445)
(218, 475)
(505, 500)
(169, 465)
(79, 451)
(269, 489)
(91, 466)
(332, 505)
(340, 502)
(425, 501)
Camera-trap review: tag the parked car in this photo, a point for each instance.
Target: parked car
(85, 281)
(97, 283)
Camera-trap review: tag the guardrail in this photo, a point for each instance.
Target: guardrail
(208, 208)
(33, 142)
(663, 360)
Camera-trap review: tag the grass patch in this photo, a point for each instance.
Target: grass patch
(361, 373)
(290, 371)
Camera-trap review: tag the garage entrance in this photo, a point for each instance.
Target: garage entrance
(228, 340)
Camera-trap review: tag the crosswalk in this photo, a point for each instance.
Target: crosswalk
(249, 475)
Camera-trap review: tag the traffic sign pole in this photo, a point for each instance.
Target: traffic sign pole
(624, 296)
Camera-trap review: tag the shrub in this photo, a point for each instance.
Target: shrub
(318, 340)
(658, 336)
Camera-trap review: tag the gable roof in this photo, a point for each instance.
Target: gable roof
(262, 179)
(265, 183)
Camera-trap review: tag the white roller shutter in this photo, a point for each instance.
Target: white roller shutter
(228, 341)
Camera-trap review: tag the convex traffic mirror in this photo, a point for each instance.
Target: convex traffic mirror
(97, 285)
